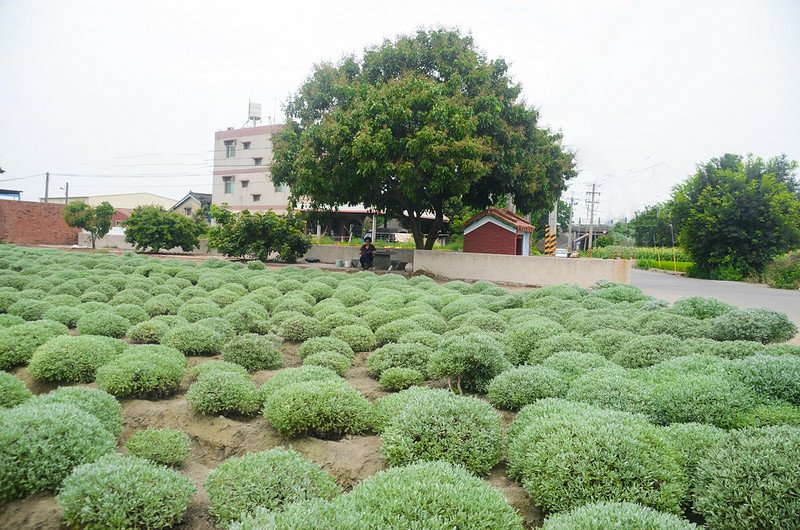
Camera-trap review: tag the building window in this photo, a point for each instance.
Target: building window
(257, 198)
(245, 183)
(257, 161)
(228, 181)
(187, 211)
(245, 145)
(281, 188)
(230, 148)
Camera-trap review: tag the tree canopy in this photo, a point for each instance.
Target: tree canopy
(651, 226)
(259, 234)
(155, 228)
(95, 220)
(425, 124)
(736, 214)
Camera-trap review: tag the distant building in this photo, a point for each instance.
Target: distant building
(498, 231)
(241, 170)
(192, 203)
(10, 195)
(118, 200)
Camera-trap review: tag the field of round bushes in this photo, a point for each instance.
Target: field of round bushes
(605, 407)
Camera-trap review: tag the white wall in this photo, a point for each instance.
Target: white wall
(527, 270)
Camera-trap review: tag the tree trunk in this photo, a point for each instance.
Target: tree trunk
(416, 229)
(93, 236)
(433, 234)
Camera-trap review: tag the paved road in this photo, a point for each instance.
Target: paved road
(670, 288)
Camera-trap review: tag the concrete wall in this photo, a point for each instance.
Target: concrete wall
(330, 253)
(118, 241)
(528, 270)
(34, 223)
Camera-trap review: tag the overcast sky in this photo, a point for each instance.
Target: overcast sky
(120, 96)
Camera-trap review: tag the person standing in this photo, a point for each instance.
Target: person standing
(368, 251)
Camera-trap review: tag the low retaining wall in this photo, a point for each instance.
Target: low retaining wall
(330, 253)
(527, 270)
(118, 241)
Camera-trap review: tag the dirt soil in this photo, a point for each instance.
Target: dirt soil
(215, 438)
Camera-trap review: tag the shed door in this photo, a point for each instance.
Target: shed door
(519, 245)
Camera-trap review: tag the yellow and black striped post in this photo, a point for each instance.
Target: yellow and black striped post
(549, 241)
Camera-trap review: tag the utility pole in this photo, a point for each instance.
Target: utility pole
(592, 202)
(46, 186)
(66, 194)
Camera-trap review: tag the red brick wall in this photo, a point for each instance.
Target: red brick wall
(491, 239)
(34, 223)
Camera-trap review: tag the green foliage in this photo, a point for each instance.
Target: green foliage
(18, 342)
(169, 447)
(513, 389)
(218, 392)
(459, 430)
(194, 339)
(694, 441)
(399, 378)
(163, 304)
(30, 309)
(98, 403)
(359, 338)
(12, 391)
(331, 360)
(124, 492)
(103, 323)
(449, 142)
(148, 332)
(299, 328)
(431, 495)
(196, 311)
(216, 365)
(566, 456)
(558, 342)
(95, 220)
(408, 355)
(704, 398)
(66, 315)
(70, 359)
(736, 215)
(647, 350)
(573, 364)
(757, 324)
(153, 227)
(322, 344)
(652, 226)
(267, 480)
(254, 352)
(701, 307)
(784, 272)
(470, 362)
(326, 409)
(749, 479)
(776, 377)
(40, 445)
(258, 234)
(612, 388)
(524, 337)
(142, 374)
(599, 515)
(291, 376)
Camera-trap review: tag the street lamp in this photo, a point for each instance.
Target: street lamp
(66, 193)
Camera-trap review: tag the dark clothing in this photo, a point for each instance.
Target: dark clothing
(367, 255)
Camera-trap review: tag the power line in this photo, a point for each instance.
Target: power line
(21, 178)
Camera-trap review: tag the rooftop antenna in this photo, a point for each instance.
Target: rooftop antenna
(253, 112)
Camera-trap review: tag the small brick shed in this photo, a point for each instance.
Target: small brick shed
(498, 231)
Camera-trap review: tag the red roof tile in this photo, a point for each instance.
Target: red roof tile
(503, 215)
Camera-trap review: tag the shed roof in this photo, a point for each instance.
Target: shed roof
(503, 215)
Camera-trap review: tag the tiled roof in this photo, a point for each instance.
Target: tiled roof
(503, 215)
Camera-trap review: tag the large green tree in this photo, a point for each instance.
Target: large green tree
(424, 124)
(94, 219)
(651, 226)
(736, 214)
(155, 228)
